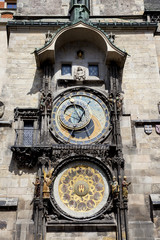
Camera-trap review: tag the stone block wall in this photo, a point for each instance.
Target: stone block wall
(98, 7)
(19, 87)
(141, 151)
(152, 5)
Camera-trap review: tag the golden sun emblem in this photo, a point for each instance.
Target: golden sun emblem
(81, 188)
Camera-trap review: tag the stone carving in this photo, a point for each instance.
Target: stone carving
(125, 185)
(148, 129)
(46, 101)
(37, 188)
(60, 152)
(155, 17)
(2, 108)
(157, 127)
(49, 36)
(79, 74)
(111, 37)
(26, 113)
(115, 188)
(47, 182)
(119, 99)
(107, 216)
(53, 217)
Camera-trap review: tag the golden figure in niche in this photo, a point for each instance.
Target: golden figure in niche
(115, 188)
(47, 182)
(125, 185)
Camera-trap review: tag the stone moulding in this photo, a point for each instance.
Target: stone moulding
(8, 203)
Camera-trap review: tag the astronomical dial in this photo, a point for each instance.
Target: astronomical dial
(80, 117)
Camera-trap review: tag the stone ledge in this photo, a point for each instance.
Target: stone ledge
(155, 199)
(8, 204)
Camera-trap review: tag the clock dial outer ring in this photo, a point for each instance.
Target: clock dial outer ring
(75, 214)
(79, 125)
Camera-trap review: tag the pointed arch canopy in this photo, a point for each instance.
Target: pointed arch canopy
(80, 32)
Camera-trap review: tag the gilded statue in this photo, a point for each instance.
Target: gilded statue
(115, 188)
(47, 182)
(125, 185)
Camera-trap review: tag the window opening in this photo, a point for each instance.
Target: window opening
(11, 5)
(28, 133)
(93, 70)
(66, 69)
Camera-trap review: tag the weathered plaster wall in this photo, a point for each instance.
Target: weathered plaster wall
(43, 7)
(97, 7)
(151, 5)
(117, 7)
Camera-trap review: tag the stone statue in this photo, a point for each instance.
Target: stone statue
(42, 101)
(47, 182)
(37, 188)
(79, 74)
(49, 102)
(48, 37)
(119, 101)
(125, 185)
(115, 188)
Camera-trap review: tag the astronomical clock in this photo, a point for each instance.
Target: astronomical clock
(80, 117)
(81, 189)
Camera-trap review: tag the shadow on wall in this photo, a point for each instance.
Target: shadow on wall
(20, 170)
(37, 82)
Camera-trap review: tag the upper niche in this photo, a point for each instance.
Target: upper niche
(80, 32)
(91, 56)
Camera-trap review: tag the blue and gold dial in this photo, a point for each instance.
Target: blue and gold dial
(80, 118)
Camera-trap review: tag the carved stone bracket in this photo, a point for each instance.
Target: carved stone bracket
(43, 160)
(28, 157)
(28, 113)
(118, 161)
(46, 101)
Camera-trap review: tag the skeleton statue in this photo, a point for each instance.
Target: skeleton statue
(79, 74)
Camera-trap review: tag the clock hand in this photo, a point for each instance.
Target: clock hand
(81, 116)
(71, 116)
(87, 132)
(72, 101)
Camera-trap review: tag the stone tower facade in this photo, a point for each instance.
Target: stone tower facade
(79, 120)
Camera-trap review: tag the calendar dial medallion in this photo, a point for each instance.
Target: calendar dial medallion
(81, 189)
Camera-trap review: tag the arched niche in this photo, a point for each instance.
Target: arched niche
(80, 32)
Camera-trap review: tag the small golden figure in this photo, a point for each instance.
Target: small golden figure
(47, 182)
(125, 185)
(37, 188)
(115, 188)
